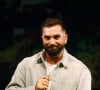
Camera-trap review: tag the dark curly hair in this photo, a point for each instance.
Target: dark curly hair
(53, 21)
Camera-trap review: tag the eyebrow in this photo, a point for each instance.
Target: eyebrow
(55, 36)
(46, 36)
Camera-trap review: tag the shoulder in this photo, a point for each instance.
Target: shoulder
(77, 64)
(31, 60)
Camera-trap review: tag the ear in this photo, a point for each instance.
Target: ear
(41, 38)
(66, 38)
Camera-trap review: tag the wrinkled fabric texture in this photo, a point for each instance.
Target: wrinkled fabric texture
(70, 74)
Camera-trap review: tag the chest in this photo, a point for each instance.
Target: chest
(62, 78)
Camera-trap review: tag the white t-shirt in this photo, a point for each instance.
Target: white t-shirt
(50, 68)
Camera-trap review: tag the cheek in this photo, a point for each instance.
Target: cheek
(62, 42)
(44, 42)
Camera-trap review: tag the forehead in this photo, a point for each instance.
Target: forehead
(53, 30)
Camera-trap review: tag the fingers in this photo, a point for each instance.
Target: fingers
(42, 83)
(44, 80)
(45, 77)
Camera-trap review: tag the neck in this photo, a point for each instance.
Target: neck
(54, 59)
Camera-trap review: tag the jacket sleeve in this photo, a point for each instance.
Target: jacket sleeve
(18, 79)
(84, 81)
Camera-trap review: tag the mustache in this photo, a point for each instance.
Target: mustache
(51, 46)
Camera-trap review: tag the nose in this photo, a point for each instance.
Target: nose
(52, 41)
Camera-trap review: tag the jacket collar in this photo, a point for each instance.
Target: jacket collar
(63, 63)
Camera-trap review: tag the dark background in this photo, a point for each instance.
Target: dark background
(20, 22)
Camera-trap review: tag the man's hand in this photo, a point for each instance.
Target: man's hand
(42, 83)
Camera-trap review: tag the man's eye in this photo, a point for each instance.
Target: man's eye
(57, 37)
(47, 37)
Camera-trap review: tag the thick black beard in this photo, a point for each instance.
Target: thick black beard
(54, 52)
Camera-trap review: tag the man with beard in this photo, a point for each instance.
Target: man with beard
(53, 68)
